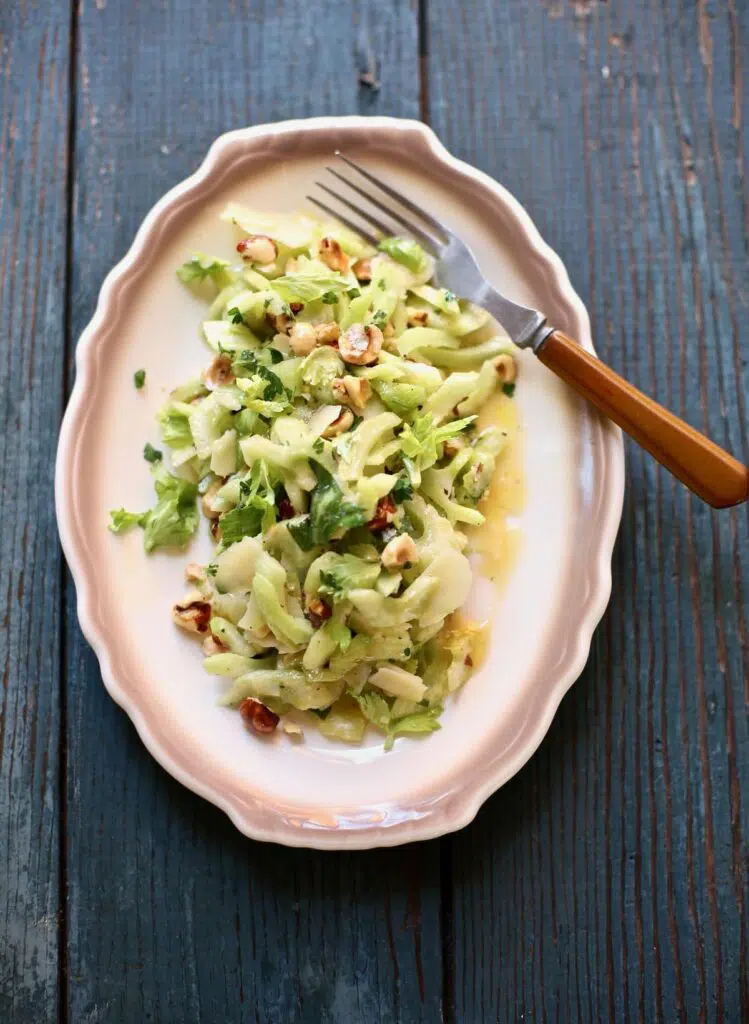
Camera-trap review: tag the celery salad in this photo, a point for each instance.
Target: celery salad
(332, 446)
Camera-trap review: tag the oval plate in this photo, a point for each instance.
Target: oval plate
(316, 793)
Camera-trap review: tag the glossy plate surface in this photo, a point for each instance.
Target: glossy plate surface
(317, 793)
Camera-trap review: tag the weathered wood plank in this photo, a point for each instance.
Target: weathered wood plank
(609, 880)
(34, 45)
(210, 926)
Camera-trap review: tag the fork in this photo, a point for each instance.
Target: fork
(706, 469)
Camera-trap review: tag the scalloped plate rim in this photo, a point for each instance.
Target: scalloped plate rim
(609, 511)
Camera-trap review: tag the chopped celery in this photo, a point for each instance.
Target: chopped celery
(405, 251)
(308, 468)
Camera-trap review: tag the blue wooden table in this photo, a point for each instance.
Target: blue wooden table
(609, 880)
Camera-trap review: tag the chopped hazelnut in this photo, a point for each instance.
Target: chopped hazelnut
(340, 424)
(212, 645)
(219, 373)
(257, 249)
(384, 514)
(358, 391)
(452, 446)
(192, 616)
(302, 339)
(332, 255)
(257, 716)
(280, 322)
(363, 270)
(328, 333)
(318, 611)
(360, 345)
(506, 368)
(207, 502)
(398, 552)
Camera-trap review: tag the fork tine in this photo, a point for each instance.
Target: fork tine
(344, 220)
(384, 229)
(424, 237)
(394, 194)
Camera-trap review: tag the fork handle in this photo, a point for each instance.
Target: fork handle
(703, 466)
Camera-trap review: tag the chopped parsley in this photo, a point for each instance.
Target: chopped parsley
(139, 379)
(402, 490)
(256, 511)
(246, 363)
(300, 528)
(509, 389)
(201, 267)
(329, 512)
(151, 454)
(242, 521)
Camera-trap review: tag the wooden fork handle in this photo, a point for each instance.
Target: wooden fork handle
(705, 468)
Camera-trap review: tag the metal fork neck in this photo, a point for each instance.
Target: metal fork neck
(527, 327)
(538, 338)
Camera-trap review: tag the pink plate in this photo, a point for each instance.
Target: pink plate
(318, 793)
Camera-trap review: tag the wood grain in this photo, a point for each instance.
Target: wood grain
(207, 925)
(708, 470)
(609, 880)
(34, 102)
